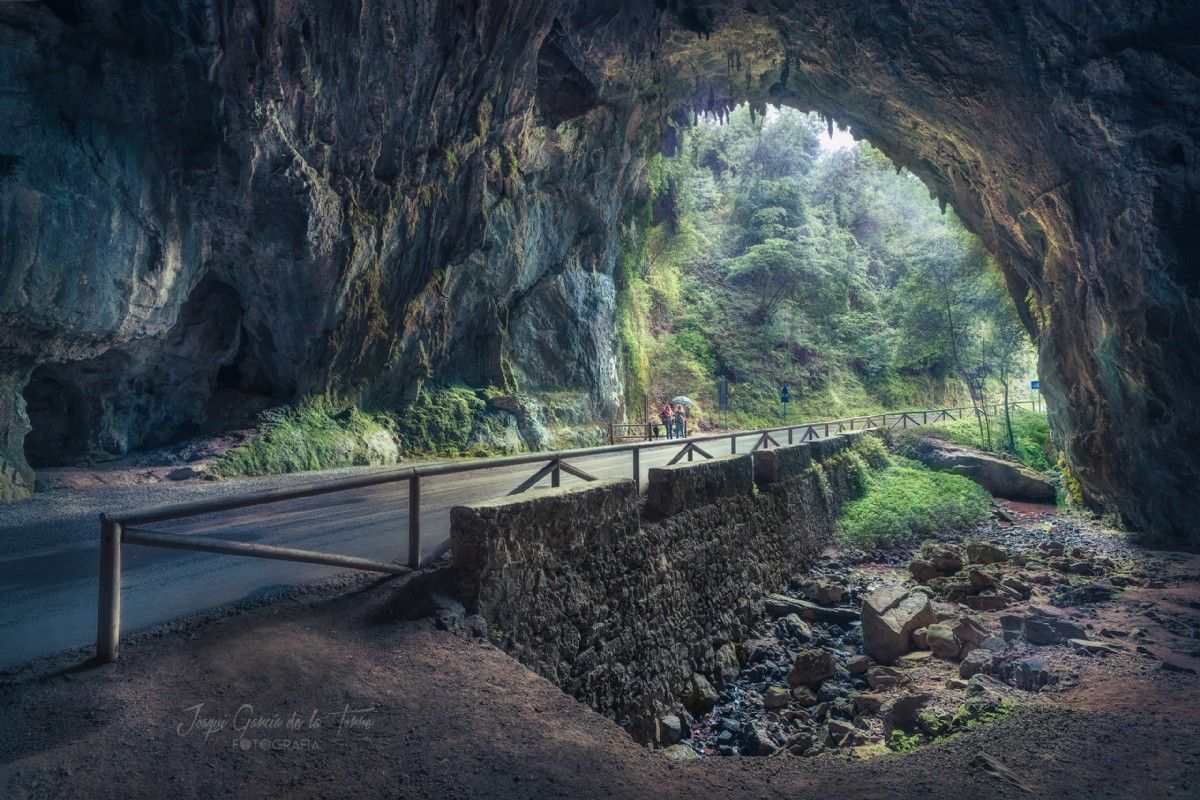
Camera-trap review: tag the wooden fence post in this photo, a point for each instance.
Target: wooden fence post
(108, 615)
(414, 521)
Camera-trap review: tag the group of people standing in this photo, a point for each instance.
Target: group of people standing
(674, 420)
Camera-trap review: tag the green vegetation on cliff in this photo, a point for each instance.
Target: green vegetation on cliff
(761, 257)
(313, 434)
(905, 501)
(316, 433)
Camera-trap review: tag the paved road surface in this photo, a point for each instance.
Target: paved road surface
(48, 595)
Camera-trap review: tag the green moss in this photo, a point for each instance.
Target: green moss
(317, 433)
(440, 419)
(905, 501)
(935, 727)
(1071, 485)
(313, 434)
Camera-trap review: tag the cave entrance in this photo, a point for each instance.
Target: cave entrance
(774, 249)
(200, 376)
(56, 412)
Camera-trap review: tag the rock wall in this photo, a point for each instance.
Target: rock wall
(400, 192)
(628, 605)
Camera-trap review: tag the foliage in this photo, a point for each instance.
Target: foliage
(440, 419)
(760, 258)
(933, 726)
(313, 434)
(1030, 443)
(905, 501)
(317, 433)
(903, 742)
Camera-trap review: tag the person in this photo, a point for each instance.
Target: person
(667, 419)
(680, 422)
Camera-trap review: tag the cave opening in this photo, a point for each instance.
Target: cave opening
(773, 249)
(200, 376)
(54, 405)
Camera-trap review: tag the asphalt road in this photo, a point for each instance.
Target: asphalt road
(48, 589)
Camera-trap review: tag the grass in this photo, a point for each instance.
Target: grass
(904, 501)
(313, 434)
(1031, 433)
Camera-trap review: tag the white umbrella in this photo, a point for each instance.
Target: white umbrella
(683, 400)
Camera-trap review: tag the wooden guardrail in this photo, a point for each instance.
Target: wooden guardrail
(129, 527)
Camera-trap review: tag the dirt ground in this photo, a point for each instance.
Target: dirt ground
(333, 698)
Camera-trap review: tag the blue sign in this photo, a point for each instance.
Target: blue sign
(784, 394)
(1035, 384)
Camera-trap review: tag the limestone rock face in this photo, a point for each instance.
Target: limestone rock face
(425, 190)
(1000, 477)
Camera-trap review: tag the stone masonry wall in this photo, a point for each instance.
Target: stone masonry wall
(627, 605)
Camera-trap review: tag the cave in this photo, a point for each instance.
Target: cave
(375, 184)
(56, 426)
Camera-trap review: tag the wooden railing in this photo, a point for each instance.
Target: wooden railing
(129, 527)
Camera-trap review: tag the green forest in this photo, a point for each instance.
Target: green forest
(761, 256)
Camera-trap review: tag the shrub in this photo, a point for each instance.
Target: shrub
(906, 501)
(873, 451)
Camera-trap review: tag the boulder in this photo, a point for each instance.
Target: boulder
(883, 678)
(858, 665)
(699, 696)
(810, 667)
(942, 641)
(780, 605)
(824, 592)
(838, 733)
(978, 661)
(793, 628)
(804, 696)
(944, 558)
(986, 602)
(889, 616)
(920, 638)
(984, 553)
(968, 630)
(1091, 647)
(670, 729)
(923, 570)
(902, 712)
(776, 697)
(681, 752)
(1000, 477)
(757, 741)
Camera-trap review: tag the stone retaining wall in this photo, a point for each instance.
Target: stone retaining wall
(630, 606)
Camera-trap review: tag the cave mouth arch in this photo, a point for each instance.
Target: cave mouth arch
(1064, 138)
(775, 249)
(1038, 126)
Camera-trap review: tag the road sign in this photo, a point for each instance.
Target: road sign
(723, 394)
(1035, 385)
(784, 394)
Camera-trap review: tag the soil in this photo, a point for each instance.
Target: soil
(316, 697)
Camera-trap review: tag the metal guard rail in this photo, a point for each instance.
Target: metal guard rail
(125, 527)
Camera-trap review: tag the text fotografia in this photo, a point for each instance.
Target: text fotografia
(248, 729)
